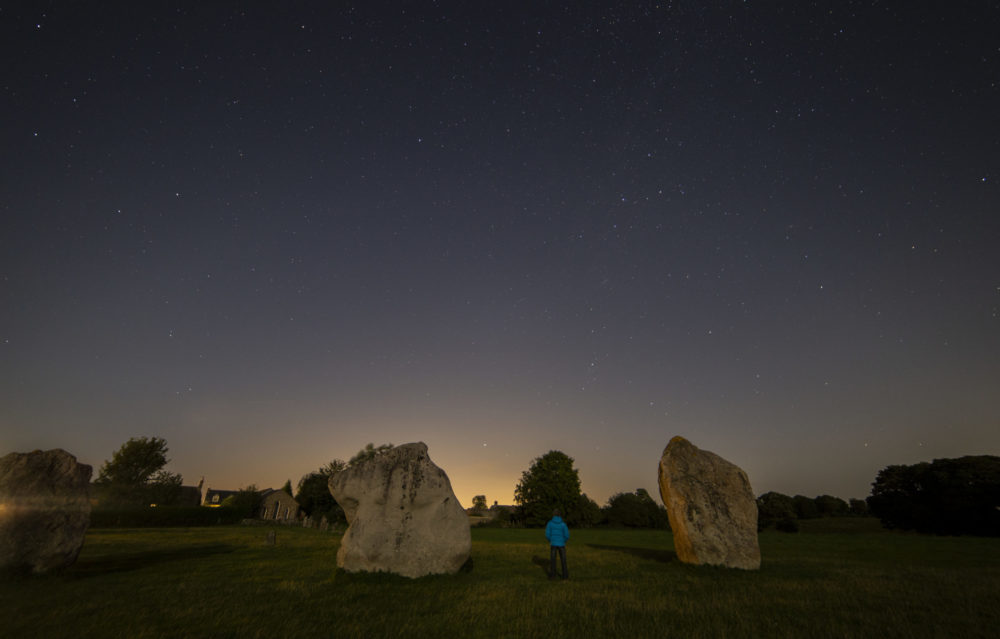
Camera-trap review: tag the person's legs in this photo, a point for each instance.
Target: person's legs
(562, 555)
(552, 562)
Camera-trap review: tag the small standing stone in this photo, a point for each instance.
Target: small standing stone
(711, 507)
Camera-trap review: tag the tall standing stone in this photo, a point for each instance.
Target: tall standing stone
(44, 510)
(403, 515)
(711, 507)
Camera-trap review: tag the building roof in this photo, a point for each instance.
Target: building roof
(215, 497)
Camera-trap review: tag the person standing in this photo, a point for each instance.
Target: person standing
(557, 532)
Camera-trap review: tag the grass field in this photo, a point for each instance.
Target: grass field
(836, 578)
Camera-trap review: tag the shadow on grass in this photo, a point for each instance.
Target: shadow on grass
(383, 577)
(654, 554)
(125, 562)
(542, 563)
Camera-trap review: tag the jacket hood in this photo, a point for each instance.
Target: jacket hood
(557, 519)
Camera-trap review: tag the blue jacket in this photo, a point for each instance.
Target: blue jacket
(557, 532)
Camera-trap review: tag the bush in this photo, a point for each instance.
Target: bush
(788, 525)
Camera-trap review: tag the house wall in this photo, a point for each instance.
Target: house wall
(280, 506)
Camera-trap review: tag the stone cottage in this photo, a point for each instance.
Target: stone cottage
(277, 505)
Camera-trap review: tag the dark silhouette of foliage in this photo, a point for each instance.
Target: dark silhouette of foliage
(134, 475)
(135, 462)
(164, 488)
(314, 493)
(774, 508)
(479, 504)
(830, 506)
(947, 496)
(287, 487)
(588, 512)
(788, 525)
(246, 502)
(635, 510)
(551, 482)
(805, 507)
(859, 507)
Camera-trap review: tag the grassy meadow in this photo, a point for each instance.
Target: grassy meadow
(836, 578)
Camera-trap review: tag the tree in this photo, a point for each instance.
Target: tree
(775, 509)
(830, 506)
(947, 496)
(135, 462)
(479, 503)
(314, 493)
(134, 475)
(247, 502)
(635, 510)
(551, 482)
(287, 487)
(164, 488)
(805, 507)
(897, 495)
(588, 512)
(859, 507)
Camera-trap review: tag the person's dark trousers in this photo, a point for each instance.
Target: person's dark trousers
(561, 551)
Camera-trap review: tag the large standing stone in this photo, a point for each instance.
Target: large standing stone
(711, 507)
(403, 515)
(44, 510)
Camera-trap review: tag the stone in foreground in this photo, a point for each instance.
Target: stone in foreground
(44, 510)
(403, 515)
(711, 507)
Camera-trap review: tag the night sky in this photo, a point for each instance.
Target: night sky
(273, 234)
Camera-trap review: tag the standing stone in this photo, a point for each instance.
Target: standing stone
(44, 510)
(403, 515)
(711, 507)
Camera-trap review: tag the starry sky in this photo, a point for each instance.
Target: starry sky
(273, 233)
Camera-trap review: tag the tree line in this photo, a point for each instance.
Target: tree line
(946, 496)
(783, 512)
